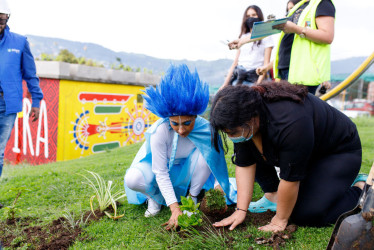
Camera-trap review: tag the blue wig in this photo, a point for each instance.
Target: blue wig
(179, 93)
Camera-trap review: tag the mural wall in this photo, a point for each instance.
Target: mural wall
(36, 142)
(78, 119)
(94, 117)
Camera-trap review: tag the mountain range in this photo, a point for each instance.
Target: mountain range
(212, 72)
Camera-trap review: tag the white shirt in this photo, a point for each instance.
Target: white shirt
(161, 147)
(252, 54)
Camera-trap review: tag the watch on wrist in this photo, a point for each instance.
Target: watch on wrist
(303, 32)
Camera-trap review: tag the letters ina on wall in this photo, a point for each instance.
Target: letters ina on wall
(78, 119)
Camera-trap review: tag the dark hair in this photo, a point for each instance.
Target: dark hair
(243, 29)
(234, 106)
(291, 1)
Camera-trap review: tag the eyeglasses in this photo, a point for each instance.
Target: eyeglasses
(3, 21)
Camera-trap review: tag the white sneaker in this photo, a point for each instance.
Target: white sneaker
(153, 208)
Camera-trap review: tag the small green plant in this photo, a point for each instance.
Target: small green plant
(72, 223)
(191, 216)
(215, 200)
(16, 242)
(11, 211)
(104, 196)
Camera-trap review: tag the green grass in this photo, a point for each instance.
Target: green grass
(57, 187)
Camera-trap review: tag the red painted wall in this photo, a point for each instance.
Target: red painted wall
(50, 88)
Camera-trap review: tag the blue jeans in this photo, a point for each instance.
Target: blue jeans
(6, 126)
(234, 83)
(283, 74)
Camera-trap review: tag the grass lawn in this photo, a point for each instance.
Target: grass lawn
(57, 188)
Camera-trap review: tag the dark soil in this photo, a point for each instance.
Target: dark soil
(276, 240)
(365, 241)
(204, 208)
(59, 234)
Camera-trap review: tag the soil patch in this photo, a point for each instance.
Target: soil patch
(59, 234)
(276, 240)
(203, 208)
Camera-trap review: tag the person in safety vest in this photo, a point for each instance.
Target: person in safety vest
(302, 55)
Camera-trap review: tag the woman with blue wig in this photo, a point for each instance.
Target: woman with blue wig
(177, 155)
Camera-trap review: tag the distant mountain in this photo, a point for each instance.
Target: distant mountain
(347, 66)
(212, 72)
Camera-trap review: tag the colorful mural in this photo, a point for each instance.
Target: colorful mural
(36, 142)
(78, 119)
(106, 117)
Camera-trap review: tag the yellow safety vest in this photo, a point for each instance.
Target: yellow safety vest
(310, 62)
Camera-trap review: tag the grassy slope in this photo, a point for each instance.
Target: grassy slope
(57, 187)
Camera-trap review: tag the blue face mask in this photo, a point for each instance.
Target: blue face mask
(241, 138)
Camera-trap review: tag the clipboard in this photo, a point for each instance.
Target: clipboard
(263, 29)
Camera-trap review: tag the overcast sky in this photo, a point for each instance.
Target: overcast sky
(174, 29)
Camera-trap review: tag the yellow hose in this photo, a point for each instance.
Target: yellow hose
(350, 79)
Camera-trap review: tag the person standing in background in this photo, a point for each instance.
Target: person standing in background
(303, 51)
(250, 56)
(16, 63)
(290, 5)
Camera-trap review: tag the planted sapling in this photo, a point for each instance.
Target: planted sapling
(191, 216)
(104, 196)
(214, 202)
(11, 211)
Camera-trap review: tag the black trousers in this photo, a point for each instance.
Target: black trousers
(326, 191)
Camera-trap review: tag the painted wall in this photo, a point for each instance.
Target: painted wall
(77, 119)
(94, 117)
(36, 142)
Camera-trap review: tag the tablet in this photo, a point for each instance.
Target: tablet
(263, 29)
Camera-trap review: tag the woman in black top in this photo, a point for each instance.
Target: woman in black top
(316, 147)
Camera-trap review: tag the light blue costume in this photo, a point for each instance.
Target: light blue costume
(180, 93)
(179, 170)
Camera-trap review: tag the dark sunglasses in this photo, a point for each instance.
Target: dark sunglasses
(3, 21)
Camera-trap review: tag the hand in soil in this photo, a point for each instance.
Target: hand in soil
(235, 219)
(276, 225)
(173, 221)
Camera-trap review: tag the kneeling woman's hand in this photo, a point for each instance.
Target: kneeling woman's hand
(235, 219)
(275, 225)
(173, 221)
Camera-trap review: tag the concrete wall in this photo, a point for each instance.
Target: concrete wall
(76, 72)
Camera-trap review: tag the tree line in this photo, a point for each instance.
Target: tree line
(65, 55)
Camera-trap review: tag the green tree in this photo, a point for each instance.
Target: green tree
(66, 56)
(46, 57)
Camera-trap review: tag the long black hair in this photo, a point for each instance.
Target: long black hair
(235, 106)
(243, 28)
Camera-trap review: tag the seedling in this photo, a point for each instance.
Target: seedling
(72, 223)
(214, 202)
(11, 211)
(104, 196)
(191, 216)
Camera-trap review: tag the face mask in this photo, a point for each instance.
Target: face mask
(250, 21)
(241, 138)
